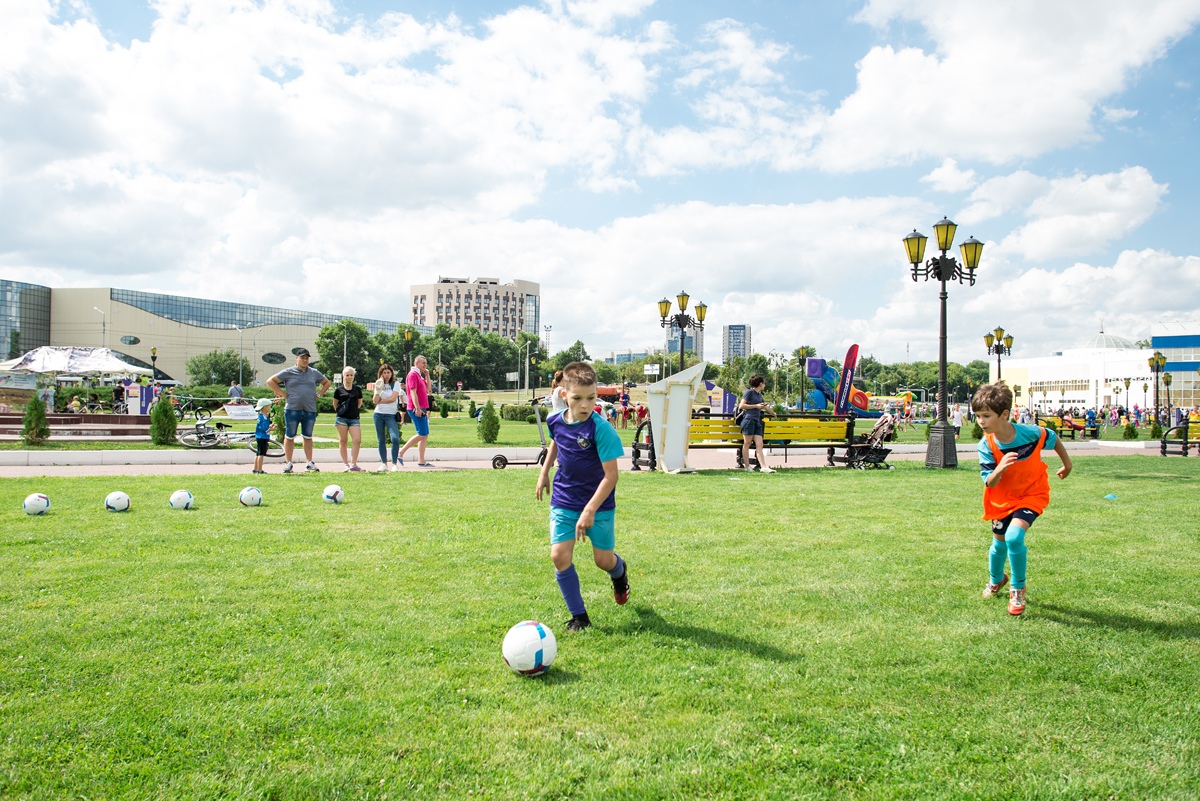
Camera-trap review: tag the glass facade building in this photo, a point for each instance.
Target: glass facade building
(735, 341)
(222, 314)
(24, 317)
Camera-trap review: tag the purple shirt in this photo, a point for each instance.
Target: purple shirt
(583, 448)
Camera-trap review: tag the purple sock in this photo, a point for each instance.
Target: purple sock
(568, 585)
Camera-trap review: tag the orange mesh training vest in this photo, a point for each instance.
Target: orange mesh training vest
(1024, 484)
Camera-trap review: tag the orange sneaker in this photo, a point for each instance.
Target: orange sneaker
(994, 589)
(1016, 601)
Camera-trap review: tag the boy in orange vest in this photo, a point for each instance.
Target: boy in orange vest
(1016, 488)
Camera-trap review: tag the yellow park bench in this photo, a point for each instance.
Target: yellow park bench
(824, 431)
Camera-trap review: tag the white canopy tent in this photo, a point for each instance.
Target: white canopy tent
(71, 361)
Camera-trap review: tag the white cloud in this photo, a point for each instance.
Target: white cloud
(1005, 80)
(949, 178)
(1115, 115)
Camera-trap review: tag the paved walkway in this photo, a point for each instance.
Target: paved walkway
(15, 464)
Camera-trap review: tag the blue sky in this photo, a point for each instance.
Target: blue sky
(767, 156)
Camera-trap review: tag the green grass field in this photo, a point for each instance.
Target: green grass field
(808, 634)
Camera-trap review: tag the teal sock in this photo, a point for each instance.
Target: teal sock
(996, 557)
(1017, 552)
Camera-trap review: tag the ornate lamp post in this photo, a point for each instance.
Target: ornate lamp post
(1167, 384)
(1156, 362)
(1128, 397)
(407, 349)
(682, 320)
(154, 363)
(942, 268)
(1002, 346)
(1145, 389)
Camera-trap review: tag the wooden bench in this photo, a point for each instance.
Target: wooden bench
(824, 431)
(1076, 427)
(1178, 439)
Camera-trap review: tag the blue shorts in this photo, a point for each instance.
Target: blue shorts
(421, 424)
(603, 532)
(296, 417)
(346, 421)
(752, 427)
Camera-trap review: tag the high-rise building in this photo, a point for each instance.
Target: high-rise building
(735, 341)
(485, 303)
(693, 340)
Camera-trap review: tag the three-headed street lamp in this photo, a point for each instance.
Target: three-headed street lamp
(682, 320)
(940, 452)
(1157, 362)
(1002, 347)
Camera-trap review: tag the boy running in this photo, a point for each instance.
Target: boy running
(584, 499)
(1016, 489)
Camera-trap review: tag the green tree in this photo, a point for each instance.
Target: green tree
(489, 424)
(757, 364)
(606, 373)
(163, 423)
(219, 367)
(729, 378)
(36, 429)
(362, 351)
(575, 353)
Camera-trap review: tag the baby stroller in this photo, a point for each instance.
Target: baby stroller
(870, 451)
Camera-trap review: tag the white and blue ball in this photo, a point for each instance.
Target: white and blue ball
(250, 496)
(529, 648)
(36, 504)
(181, 499)
(334, 494)
(117, 502)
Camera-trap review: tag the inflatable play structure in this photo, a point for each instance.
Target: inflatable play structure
(835, 391)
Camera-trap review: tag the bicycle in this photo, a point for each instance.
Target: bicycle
(203, 435)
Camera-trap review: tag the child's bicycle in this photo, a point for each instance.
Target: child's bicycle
(202, 435)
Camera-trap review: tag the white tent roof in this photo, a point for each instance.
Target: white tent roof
(76, 361)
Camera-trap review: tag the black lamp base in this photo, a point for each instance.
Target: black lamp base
(941, 452)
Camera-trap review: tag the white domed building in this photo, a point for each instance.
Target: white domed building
(1103, 369)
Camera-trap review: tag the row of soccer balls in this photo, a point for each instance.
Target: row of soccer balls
(39, 503)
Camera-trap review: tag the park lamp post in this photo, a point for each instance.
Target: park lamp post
(1002, 346)
(1128, 397)
(1145, 389)
(154, 363)
(1156, 362)
(943, 268)
(1167, 384)
(407, 349)
(682, 320)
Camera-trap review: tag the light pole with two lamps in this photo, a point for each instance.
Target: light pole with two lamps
(1002, 346)
(940, 452)
(682, 320)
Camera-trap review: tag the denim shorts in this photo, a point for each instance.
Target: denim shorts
(602, 533)
(347, 421)
(421, 424)
(295, 417)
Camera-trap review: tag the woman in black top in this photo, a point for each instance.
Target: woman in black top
(755, 406)
(347, 403)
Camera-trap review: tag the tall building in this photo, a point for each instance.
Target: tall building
(148, 329)
(735, 341)
(693, 340)
(485, 303)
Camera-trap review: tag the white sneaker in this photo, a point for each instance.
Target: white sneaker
(311, 467)
(287, 467)
(395, 468)
(766, 470)
(383, 468)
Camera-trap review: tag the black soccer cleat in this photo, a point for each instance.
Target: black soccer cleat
(621, 588)
(578, 622)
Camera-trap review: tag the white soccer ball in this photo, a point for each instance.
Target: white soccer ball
(250, 496)
(36, 504)
(334, 494)
(181, 499)
(529, 648)
(117, 502)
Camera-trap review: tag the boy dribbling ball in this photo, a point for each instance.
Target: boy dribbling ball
(583, 499)
(1016, 488)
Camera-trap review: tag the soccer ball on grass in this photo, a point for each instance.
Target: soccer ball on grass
(36, 504)
(529, 648)
(250, 496)
(334, 494)
(117, 502)
(181, 499)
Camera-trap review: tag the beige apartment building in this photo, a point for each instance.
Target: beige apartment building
(485, 303)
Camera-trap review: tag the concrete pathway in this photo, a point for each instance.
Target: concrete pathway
(15, 464)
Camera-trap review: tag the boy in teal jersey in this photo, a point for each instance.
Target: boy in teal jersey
(583, 501)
